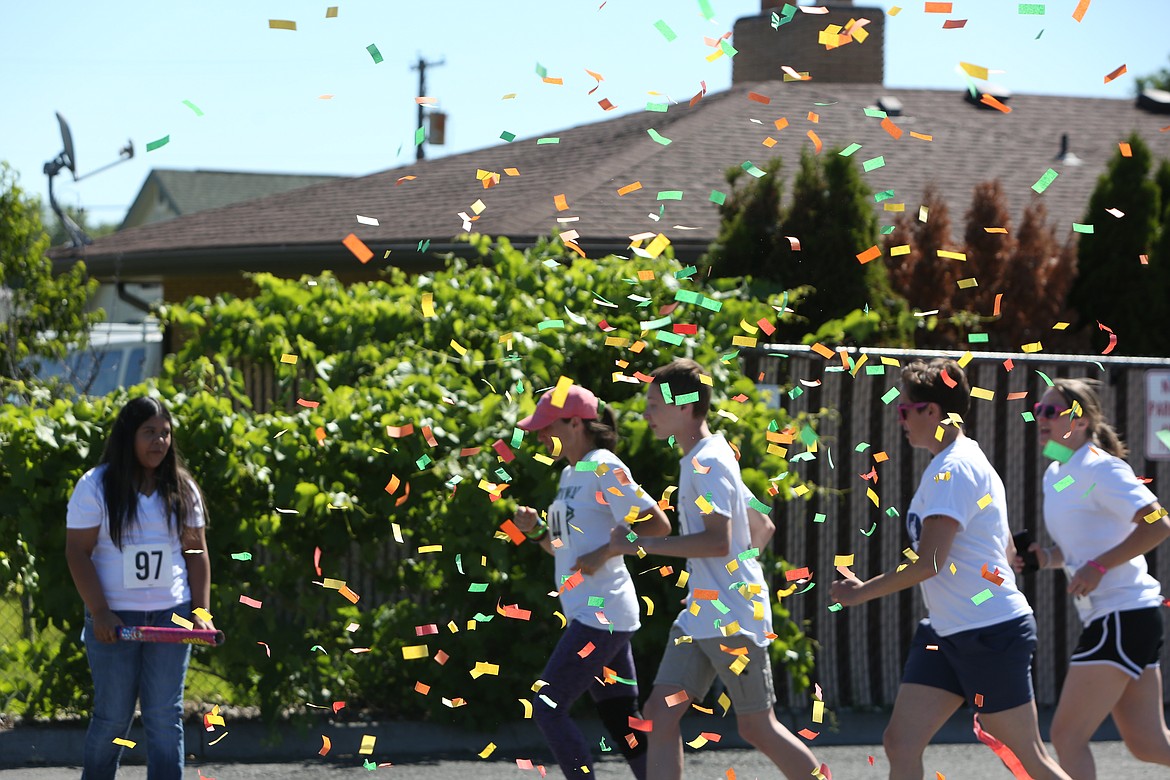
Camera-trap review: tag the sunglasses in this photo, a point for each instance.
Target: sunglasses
(1048, 411)
(904, 409)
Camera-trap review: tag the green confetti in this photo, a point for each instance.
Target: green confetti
(658, 139)
(887, 230)
(710, 303)
(1045, 180)
(1028, 416)
(659, 107)
(1033, 9)
(795, 393)
(873, 164)
(1056, 451)
(982, 596)
(718, 197)
(424, 245)
(820, 517)
(890, 395)
(759, 505)
(550, 324)
(587, 465)
(420, 135)
(872, 528)
(878, 197)
(477, 587)
(369, 765)
(664, 28)
(424, 461)
(892, 512)
(604, 747)
(687, 296)
(667, 396)
(874, 370)
(706, 10)
(686, 398)
(541, 70)
(1164, 437)
(193, 107)
(459, 562)
(373, 50)
(1044, 376)
(719, 605)
(670, 195)
(727, 48)
(548, 140)
(977, 338)
(669, 337)
(1064, 483)
(479, 617)
(1079, 228)
(786, 14)
(861, 446)
(152, 145)
(751, 169)
(597, 601)
(686, 273)
(1038, 35)
(244, 556)
(835, 607)
(850, 149)
(876, 113)
(509, 137)
(754, 552)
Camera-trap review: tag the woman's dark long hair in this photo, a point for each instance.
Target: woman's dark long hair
(603, 431)
(123, 476)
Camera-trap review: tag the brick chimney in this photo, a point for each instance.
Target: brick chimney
(762, 50)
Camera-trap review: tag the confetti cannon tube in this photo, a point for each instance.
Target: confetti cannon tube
(183, 636)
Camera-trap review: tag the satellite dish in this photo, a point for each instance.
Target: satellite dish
(67, 158)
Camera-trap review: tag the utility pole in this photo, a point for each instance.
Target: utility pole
(421, 67)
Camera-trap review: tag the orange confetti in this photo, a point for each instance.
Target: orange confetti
(626, 190)
(606, 105)
(1125, 149)
(998, 298)
(422, 688)
(354, 244)
(781, 123)
(988, 100)
(921, 136)
(872, 253)
(816, 141)
(938, 8)
(325, 745)
(1079, 12)
(758, 98)
(560, 202)
(814, 117)
(891, 128)
(1114, 74)
(404, 178)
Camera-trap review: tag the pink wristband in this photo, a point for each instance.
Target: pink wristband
(1096, 566)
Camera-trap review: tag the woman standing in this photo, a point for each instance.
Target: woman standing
(596, 591)
(976, 646)
(136, 548)
(1103, 520)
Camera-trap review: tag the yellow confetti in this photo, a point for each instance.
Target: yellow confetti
(482, 668)
(287, 358)
(527, 707)
(698, 742)
(126, 743)
(965, 359)
(414, 652)
(843, 560)
(818, 713)
(872, 496)
(953, 569)
(656, 247)
(561, 618)
(724, 702)
(1035, 346)
(367, 747)
(649, 606)
(487, 751)
(1156, 515)
(428, 304)
(983, 393)
(682, 579)
(455, 345)
(704, 505)
(909, 553)
(985, 501)
(182, 622)
(430, 548)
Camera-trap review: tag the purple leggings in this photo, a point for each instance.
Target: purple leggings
(568, 676)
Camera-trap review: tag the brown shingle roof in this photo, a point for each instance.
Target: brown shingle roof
(592, 161)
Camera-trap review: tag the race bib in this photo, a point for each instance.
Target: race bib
(146, 566)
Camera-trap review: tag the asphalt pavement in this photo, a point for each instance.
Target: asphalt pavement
(950, 762)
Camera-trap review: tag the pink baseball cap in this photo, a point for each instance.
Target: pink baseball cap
(579, 402)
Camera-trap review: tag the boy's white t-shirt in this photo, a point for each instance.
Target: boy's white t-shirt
(710, 482)
(588, 505)
(149, 572)
(961, 483)
(1094, 513)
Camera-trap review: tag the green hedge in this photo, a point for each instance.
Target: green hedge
(369, 359)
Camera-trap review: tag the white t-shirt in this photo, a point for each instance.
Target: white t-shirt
(710, 472)
(580, 520)
(1092, 514)
(956, 482)
(149, 572)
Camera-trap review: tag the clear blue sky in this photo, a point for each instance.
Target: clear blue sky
(121, 69)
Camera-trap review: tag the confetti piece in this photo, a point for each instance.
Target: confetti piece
(193, 107)
(374, 53)
(1115, 73)
(957, 24)
(626, 190)
(281, 24)
(974, 71)
(367, 747)
(415, 652)
(1044, 181)
(286, 358)
(152, 145)
(249, 602)
(659, 139)
(989, 100)
(982, 596)
(872, 253)
(487, 751)
(664, 28)
(1031, 9)
(358, 247)
(1079, 11)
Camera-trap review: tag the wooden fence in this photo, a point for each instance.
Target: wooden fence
(862, 650)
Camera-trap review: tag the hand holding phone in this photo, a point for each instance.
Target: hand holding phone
(1023, 540)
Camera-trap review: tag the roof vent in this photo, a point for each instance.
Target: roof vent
(1067, 155)
(1156, 101)
(891, 105)
(1002, 94)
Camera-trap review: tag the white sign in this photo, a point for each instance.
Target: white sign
(1158, 414)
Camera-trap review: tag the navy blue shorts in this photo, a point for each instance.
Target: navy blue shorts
(990, 667)
(1131, 640)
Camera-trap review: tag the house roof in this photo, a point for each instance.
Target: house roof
(302, 230)
(169, 193)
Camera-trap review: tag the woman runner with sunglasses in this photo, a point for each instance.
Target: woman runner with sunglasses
(977, 644)
(1103, 520)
